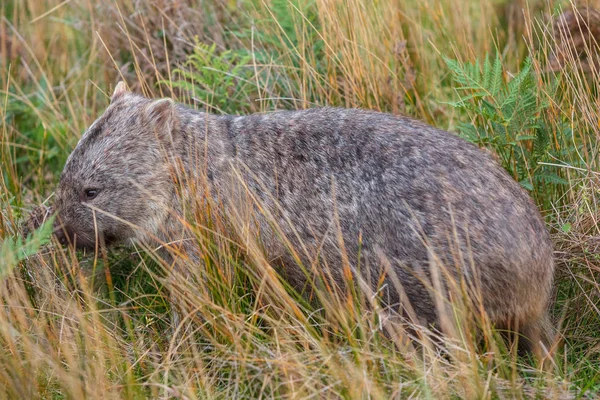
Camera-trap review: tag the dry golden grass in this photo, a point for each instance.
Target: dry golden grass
(100, 327)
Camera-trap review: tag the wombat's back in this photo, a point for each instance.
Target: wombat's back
(397, 185)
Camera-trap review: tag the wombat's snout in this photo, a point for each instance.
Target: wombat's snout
(74, 233)
(67, 235)
(60, 234)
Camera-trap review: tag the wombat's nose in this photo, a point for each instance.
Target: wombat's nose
(59, 234)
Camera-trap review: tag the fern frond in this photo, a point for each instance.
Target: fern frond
(508, 117)
(497, 77)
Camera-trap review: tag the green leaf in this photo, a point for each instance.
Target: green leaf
(552, 178)
(15, 250)
(526, 184)
(525, 137)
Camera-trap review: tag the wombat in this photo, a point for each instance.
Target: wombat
(393, 189)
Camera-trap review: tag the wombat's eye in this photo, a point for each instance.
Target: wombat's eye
(91, 193)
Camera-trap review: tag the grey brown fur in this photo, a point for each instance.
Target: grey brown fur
(406, 189)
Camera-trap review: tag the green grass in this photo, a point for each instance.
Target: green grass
(75, 326)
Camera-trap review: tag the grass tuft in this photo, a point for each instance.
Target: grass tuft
(518, 78)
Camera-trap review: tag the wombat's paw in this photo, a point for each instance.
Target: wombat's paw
(36, 218)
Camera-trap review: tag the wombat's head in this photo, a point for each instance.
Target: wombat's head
(116, 185)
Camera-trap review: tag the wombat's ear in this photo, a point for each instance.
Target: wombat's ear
(160, 110)
(120, 90)
(161, 114)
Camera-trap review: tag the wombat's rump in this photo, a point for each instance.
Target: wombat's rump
(402, 191)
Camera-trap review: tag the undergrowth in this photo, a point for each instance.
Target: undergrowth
(100, 325)
(510, 116)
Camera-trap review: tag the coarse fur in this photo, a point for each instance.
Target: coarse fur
(397, 190)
